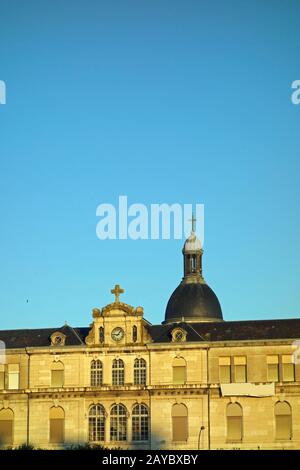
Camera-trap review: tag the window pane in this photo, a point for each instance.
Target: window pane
(139, 372)
(57, 431)
(273, 372)
(140, 423)
(180, 428)
(2, 376)
(234, 428)
(179, 375)
(96, 374)
(283, 427)
(6, 432)
(57, 378)
(13, 380)
(240, 374)
(288, 372)
(225, 375)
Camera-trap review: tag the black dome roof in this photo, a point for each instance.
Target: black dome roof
(194, 301)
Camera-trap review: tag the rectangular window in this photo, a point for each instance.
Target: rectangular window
(288, 368)
(179, 374)
(180, 428)
(2, 376)
(224, 370)
(13, 376)
(6, 432)
(57, 431)
(234, 428)
(240, 369)
(57, 378)
(273, 368)
(118, 377)
(283, 427)
(96, 377)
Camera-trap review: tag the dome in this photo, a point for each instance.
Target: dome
(193, 301)
(192, 243)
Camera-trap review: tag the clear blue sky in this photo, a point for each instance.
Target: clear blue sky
(163, 101)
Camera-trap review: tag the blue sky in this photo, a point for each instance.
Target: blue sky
(162, 101)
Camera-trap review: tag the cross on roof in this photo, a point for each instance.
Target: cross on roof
(193, 220)
(117, 291)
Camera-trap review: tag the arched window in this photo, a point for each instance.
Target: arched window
(134, 334)
(140, 423)
(6, 427)
(96, 373)
(180, 422)
(234, 414)
(57, 425)
(179, 370)
(97, 423)
(283, 419)
(57, 374)
(118, 423)
(140, 372)
(118, 372)
(101, 334)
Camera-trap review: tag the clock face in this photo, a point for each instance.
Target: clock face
(117, 334)
(57, 340)
(178, 336)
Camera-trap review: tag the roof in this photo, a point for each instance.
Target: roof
(41, 337)
(230, 330)
(193, 300)
(202, 331)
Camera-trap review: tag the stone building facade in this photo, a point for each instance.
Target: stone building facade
(193, 382)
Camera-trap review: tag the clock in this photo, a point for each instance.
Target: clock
(117, 334)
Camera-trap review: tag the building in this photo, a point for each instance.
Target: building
(193, 382)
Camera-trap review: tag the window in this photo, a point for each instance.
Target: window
(224, 370)
(6, 427)
(101, 334)
(283, 420)
(240, 369)
(118, 372)
(96, 373)
(288, 368)
(13, 376)
(57, 374)
(134, 334)
(140, 370)
(97, 423)
(179, 370)
(57, 425)
(2, 376)
(194, 263)
(234, 422)
(180, 422)
(273, 368)
(118, 423)
(140, 423)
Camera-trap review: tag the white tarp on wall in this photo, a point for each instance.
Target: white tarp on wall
(248, 390)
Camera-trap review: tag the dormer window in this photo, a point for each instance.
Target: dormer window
(58, 339)
(179, 335)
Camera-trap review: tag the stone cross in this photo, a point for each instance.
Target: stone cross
(117, 291)
(193, 220)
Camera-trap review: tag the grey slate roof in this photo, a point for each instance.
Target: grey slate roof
(210, 331)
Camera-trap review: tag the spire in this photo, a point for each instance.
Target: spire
(192, 256)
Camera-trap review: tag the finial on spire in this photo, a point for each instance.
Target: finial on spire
(193, 220)
(117, 291)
